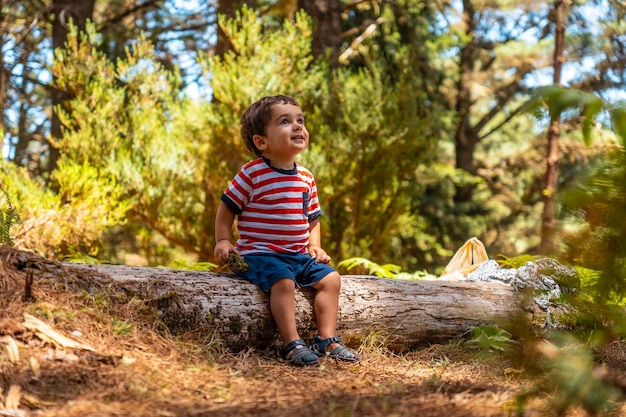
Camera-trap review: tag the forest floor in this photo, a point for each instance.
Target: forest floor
(69, 352)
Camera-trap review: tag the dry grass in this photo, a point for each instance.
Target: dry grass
(137, 370)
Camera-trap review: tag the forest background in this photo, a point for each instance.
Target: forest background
(431, 122)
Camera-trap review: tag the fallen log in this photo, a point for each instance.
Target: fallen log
(406, 313)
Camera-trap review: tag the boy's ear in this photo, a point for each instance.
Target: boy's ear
(259, 142)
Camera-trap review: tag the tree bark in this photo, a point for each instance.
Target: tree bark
(465, 137)
(405, 313)
(548, 221)
(3, 77)
(65, 11)
(326, 16)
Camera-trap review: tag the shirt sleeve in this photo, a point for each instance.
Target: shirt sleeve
(238, 192)
(314, 210)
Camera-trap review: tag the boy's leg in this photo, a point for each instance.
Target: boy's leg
(283, 308)
(326, 304)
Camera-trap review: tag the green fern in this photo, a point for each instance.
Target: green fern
(588, 277)
(382, 271)
(414, 276)
(9, 218)
(515, 262)
(77, 257)
(191, 266)
(490, 338)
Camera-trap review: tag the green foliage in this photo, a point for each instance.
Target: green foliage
(558, 100)
(280, 59)
(76, 257)
(383, 271)
(618, 119)
(489, 338)
(126, 144)
(53, 223)
(128, 120)
(588, 277)
(516, 261)
(569, 379)
(192, 266)
(567, 370)
(596, 206)
(414, 276)
(8, 217)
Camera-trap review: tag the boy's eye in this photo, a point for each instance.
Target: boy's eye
(284, 122)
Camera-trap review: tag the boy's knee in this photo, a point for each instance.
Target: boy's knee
(331, 281)
(285, 284)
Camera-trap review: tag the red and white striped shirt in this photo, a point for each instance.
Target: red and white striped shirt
(274, 207)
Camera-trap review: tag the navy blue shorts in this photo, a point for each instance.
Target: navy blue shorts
(265, 269)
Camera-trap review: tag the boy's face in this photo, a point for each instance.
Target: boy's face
(285, 135)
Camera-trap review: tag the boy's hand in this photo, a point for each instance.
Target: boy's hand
(222, 249)
(319, 253)
(236, 263)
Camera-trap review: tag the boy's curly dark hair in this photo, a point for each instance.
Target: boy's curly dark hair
(257, 115)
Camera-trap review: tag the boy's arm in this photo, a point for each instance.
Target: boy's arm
(223, 224)
(315, 248)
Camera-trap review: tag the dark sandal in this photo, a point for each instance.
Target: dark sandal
(341, 352)
(301, 355)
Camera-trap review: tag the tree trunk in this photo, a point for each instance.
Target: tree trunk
(3, 92)
(548, 221)
(326, 16)
(65, 11)
(407, 313)
(465, 136)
